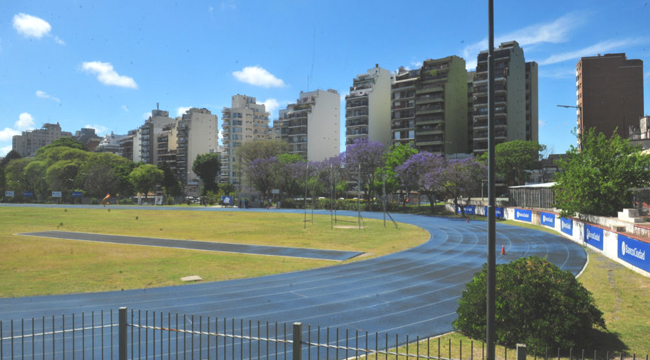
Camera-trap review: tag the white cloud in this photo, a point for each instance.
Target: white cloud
(58, 40)
(5, 150)
(99, 129)
(25, 122)
(601, 47)
(541, 123)
(271, 105)
(229, 4)
(31, 26)
(182, 110)
(146, 116)
(258, 76)
(416, 64)
(647, 75)
(107, 75)
(554, 32)
(44, 95)
(126, 109)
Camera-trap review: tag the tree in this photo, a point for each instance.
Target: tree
(11, 155)
(595, 180)
(170, 184)
(207, 167)
(266, 149)
(36, 171)
(462, 179)
(145, 177)
(364, 156)
(514, 158)
(261, 173)
(61, 176)
(100, 180)
(397, 155)
(423, 172)
(290, 173)
(63, 142)
(537, 304)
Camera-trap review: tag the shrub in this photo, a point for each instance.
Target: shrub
(94, 201)
(537, 304)
(126, 201)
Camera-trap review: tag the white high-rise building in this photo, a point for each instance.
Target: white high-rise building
(367, 107)
(311, 125)
(244, 121)
(197, 133)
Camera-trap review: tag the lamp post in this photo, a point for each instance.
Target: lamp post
(580, 125)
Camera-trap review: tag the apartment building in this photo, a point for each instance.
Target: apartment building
(148, 135)
(29, 142)
(311, 126)
(197, 132)
(429, 106)
(244, 121)
(609, 93)
(367, 109)
(516, 103)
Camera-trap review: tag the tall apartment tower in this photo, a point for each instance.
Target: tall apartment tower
(30, 141)
(148, 135)
(429, 106)
(367, 109)
(244, 121)
(610, 93)
(311, 125)
(197, 132)
(515, 107)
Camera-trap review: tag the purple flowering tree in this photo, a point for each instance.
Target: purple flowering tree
(290, 174)
(370, 156)
(462, 179)
(423, 172)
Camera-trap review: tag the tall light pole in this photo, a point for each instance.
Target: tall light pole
(580, 126)
(491, 251)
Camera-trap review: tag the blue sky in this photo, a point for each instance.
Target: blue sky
(105, 64)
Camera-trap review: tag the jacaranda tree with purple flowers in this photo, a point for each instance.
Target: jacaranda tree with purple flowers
(367, 156)
(461, 179)
(261, 173)
(423, 172)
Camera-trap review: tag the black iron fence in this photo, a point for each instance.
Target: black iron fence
(136, 334)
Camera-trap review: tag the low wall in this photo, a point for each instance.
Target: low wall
(630, 250)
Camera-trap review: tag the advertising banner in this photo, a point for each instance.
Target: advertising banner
(9, 193)
(523, 215)
(498, 212)
(634, 252)
(547, 219)
(56, 194)
(566, 226)
(227, 200)
(77, 194)
(469, 210)
(594, 236)
(28, 194)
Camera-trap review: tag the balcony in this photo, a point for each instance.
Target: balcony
(351, 123)
(430, 99)
(356, 131)
(429, 88)
(355, 104)
(429, 109)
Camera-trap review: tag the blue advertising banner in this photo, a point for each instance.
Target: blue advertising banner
(634, 252)
(523, 215)
(547, 219)
(77, 194)
(469, 210)
(566, 226)
(28, 193)
(594, 236)
(9, 193)
(498, 212)
(226, 200)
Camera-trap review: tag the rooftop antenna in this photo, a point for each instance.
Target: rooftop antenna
(157, 106)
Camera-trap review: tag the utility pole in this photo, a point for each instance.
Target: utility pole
(491, 251)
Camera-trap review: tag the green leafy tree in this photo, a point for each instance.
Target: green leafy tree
(36, 171)
(227, 188)
(397, 155)
(253, 150)
(61, 176)
(145, 178)
(514, 158)
(11, 155)
(100, 180)
(207, 167)
(62, 142)
(537, 304)
(171, 185)
(595, 180)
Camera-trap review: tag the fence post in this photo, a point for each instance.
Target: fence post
(521, 352)
(122, 333)
(297, 341)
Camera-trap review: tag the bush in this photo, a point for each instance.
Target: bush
(537, 304)
(126, 201)
(94, 201)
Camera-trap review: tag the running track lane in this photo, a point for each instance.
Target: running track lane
(412, 292)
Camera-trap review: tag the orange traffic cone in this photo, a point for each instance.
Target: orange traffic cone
(503, 249)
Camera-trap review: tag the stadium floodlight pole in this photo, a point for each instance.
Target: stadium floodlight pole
(491, 252)
(579, 127)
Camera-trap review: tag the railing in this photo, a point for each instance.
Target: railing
(138, 334)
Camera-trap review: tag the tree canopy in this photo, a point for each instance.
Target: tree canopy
(595, 179)
(512, 159)
(63, 142)
(207, 167)
(145, 177)
(537, 304)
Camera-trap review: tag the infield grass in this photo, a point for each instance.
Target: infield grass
(41, 266)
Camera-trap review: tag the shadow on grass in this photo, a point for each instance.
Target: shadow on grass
(607, 341)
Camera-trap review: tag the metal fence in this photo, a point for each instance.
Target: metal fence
(137, 334)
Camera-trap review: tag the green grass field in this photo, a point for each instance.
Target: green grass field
(39, 266)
